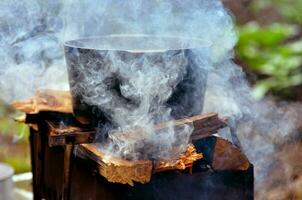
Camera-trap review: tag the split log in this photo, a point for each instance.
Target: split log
(203, 126)
(225, 156)
(60, 101)
(185, 160)
(228, 157)
(114, 169)
(46, 100)
(61, 134)
(117, 170)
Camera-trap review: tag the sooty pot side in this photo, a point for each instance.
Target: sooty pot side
(86, 58)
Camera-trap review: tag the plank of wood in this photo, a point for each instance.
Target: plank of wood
(68, 151)
(45, 100)
(59, 134)
(203, 126)
(117, 170)
(228, 157)
(36, 150)
(60, 101)
(225, 157)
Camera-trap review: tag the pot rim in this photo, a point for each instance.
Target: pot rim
(165, 43)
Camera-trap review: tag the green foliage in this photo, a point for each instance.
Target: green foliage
(291, 10)
(20, 164)
(8, 126)
(265, 51)
(13, 141)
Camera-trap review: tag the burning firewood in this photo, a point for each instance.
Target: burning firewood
(116, 169)
(60, 101)
(225, 157)
(204, 125)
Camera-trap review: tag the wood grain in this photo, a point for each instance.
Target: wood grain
(45, 100)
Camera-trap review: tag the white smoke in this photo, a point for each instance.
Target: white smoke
(30, 50)
(260, 124)
(131, 86)
(31, 35)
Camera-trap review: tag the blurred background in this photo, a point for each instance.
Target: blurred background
(269, 50)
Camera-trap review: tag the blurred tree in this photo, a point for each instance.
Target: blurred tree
(290, 10)
(14, 148)
(270, 43)
(265, 51)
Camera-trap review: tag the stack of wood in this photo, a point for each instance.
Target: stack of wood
(115, 169)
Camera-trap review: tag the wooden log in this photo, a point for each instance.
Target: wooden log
(203, 126)
(201, 184)
(228, 157)
(36, 150)
(185, 160)
(50, 166)
(114, 169)
(221, 154)
(117, 170)
(45, 100)
(225, 156)
(60, 101)
(59, 134)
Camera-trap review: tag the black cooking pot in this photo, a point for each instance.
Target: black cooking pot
(96, 62)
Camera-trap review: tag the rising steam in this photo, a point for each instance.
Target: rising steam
(31, 36)
(131, 84)
(147, 80)
(30, 52)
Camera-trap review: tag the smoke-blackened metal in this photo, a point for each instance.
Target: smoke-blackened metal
(99, 76)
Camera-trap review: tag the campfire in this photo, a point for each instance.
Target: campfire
(147, 99)
(64, 143)
(133, 124)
